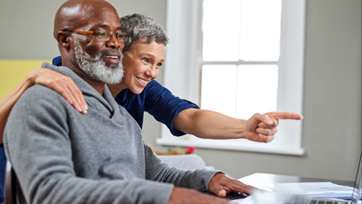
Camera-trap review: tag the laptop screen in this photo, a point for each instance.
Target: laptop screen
(356, 195)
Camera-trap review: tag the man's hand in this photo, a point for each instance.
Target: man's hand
(62, 84)
(262, 127)
(221, 184)
(190, 196)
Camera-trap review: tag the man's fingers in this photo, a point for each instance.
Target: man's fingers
(243, 188)
(222, 193)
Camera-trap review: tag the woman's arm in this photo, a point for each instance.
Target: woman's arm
(182, 117)
(54, 80)
(214, 125)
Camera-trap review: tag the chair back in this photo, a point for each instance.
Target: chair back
(10, 186)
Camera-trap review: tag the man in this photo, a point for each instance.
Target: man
(62, 156)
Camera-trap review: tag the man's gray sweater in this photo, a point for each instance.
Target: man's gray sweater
(63, 156)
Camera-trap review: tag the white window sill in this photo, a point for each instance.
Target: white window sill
(237, 146)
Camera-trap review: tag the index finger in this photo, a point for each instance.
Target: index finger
(285, 115)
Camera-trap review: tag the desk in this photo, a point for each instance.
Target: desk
(275, 178)
(265, 178)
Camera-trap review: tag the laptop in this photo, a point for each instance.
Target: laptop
(300, 199)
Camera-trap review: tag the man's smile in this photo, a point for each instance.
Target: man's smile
(112, 58)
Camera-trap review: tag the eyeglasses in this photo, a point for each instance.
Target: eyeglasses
(103, 35)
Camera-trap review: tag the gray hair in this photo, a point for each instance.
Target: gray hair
(142, 27)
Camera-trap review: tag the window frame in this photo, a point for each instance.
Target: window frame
(183, 64)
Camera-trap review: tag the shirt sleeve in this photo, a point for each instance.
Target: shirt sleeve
(164, 106)
(57, 61)
(198, 179)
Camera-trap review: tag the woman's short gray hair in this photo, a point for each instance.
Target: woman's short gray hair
(142, 27)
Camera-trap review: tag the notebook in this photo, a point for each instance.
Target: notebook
(299, 199)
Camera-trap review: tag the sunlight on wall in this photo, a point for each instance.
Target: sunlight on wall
(13, 71)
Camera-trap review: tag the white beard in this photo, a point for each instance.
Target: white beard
(96, 68)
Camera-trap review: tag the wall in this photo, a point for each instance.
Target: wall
(27, 32)
(332, 102)
(332, 91)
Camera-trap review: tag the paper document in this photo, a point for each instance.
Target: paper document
(315, 189)
(310, 189)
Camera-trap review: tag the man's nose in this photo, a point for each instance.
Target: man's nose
(114, 43)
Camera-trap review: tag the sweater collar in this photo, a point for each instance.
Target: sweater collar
(107, 99)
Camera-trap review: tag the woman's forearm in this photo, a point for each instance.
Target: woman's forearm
(7, 103)
(214, 125)
(209, 124)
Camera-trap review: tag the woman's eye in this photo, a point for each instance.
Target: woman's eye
(145, 59)
(159, 64)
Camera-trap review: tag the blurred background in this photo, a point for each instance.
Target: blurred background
(331, 128)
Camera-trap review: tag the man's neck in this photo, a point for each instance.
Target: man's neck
(116, 88)
(97, 85)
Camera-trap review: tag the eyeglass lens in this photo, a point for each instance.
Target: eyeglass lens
(107, 35)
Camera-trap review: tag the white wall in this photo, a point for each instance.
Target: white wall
(332, 98)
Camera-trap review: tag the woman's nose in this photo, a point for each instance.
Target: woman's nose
(152, 72)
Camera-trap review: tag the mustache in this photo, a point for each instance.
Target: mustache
(111, 51)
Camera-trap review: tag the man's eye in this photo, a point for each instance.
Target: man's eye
(120, 35)
(102, 33)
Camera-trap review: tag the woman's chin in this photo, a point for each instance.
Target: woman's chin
(136, 91)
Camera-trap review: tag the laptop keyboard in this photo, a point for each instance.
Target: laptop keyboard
(327, 202)
(304, 200)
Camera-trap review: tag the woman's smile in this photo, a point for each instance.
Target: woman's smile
(141, 64)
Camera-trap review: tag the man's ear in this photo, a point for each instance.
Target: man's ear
(64, 39)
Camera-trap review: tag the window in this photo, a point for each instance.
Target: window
(242, 56)
(238, 57)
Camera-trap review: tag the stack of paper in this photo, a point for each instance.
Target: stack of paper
(315, 189)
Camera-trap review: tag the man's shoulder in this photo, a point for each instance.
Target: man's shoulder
(39, 94)
(39, 90)
(37, 103)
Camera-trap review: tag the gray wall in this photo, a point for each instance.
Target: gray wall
(332, 102)
(27, 26)
(332, 89)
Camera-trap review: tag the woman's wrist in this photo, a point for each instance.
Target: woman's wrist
(31, 77)
(243, 128)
